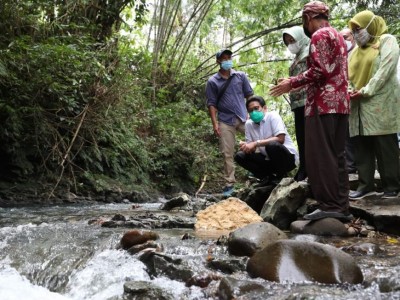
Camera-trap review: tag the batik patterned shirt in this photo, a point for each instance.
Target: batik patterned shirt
(326, 76)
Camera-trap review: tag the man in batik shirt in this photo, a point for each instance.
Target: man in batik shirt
(326, 112)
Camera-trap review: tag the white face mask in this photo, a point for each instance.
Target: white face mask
(349, 45)
(362, 36)
(294, 48)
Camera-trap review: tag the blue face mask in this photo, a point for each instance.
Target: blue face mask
(226, 65)
(256, 116)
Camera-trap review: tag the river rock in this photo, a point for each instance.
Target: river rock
(181, 201)
(229, 214)
(255, 197)
(230, 288)
(228, 266)
(159, 264)
(323, 227)
(153, 220)
(363, 248)
(295, 261)
(147, 245)
(144, 290)
(203, 279)
(383, 214)
(247, 240)
(136, 237)
(281, 207)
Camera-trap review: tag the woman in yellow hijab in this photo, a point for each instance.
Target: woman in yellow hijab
(375, 105)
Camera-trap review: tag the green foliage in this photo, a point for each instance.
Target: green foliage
(80, 102)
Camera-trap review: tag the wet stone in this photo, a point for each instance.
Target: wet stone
(202, 280)
(322, 227)
(296, 261)
(247, 240)
(163, 265)
(228, 266)
(231, 288)
(148, 245)
(144, 290)
(181, 201)
(363, 249)
(136, 237)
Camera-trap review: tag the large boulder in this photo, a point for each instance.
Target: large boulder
(247, 240)
(227, 215)
(297, 261)
(281, 207)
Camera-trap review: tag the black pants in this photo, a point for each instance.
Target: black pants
(299, 125)
(279, 162)
(325, 160)
(384, 149)
(349, 147)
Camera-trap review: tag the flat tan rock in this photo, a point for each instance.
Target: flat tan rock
(228, 215)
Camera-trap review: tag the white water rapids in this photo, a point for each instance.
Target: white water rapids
(52, 253)
(60, 256)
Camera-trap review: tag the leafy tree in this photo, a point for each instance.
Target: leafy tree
(89, 91)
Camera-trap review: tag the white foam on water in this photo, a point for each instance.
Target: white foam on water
(174, 287)
(104, 275)
(13, 286)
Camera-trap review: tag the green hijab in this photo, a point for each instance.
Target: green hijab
(362, 58)
(298, 35)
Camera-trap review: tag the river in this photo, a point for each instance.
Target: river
(53, 253)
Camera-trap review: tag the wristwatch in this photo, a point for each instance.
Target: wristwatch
(258, 143)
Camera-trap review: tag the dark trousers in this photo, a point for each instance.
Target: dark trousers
(383, 148)
(279, 162)
(325, 160)
(299, 125)
(349, 149)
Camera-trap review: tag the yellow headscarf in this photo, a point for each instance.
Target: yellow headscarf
(362, 58)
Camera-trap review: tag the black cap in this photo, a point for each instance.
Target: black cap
(223, 51)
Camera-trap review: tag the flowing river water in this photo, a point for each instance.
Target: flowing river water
(53, 253)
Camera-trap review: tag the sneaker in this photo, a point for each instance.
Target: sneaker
(228, 190)
(389, 195)
(320, 214)
(263, 182)
(250, 175)
(360, 194)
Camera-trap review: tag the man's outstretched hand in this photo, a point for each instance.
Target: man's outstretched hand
(281, 88)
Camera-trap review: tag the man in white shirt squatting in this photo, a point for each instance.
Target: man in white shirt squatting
(268, 152)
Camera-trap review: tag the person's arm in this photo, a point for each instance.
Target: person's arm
(214, 120)
(318, 70)
(264, 142)
(253, 145)
(212, 94)
(389, 52)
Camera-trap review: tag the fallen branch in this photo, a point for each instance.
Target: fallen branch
(202, 185)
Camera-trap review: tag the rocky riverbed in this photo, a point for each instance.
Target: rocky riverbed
(252, 246)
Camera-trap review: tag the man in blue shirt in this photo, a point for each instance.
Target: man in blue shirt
(226, 92)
